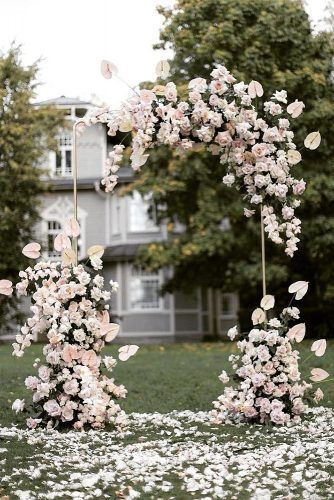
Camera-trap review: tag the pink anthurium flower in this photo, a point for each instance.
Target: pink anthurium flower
(318, 375)
(72, 228)
(126, 351)
(32, 250)
(319, 347)
(61, 242)
(297, 332)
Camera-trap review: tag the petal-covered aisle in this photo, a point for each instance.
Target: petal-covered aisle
(174, 455)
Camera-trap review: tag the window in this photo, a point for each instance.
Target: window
(54, 218)
(54, 228)
(116, 214)
(64, 156)
(144, 290)
(139, 220)
(228, 304)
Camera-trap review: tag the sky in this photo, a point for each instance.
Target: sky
(72, 37)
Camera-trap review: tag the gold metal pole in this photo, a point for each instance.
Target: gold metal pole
(263, 256)
(74, 162)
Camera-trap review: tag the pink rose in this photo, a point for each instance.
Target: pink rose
(70, 352)
(299, 187)
(259, 150)
(44, 373)
(31, 383)
(250, 411)
(71, 387)
(89, 358)
(223, 138)
(170, 92)
(277, 405)
(32, 423)
(67, 413)
(298, 406)
(147, 96)
(278, 417)
(52, 408)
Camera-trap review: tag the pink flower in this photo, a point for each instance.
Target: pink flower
(250, 411)
(223, 138)
(44, 373)
(170, 92)
(318, 395)
(71, 387)
(147, 96)
(298, 406)
(31, 383)
(70, 352)
(259, 150)
(32, 423)
(52, 408)
(299, 188)
(89, 358)
(278, 417)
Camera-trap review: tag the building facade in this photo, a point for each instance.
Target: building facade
(121, 224)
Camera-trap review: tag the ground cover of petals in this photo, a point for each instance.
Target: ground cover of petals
(176, 455)
(168, 454)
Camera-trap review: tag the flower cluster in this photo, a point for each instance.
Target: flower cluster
(254, 142)
(70, 308)
(269, 388)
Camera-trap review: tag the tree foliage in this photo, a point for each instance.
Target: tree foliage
(25, 134)
(270, 41)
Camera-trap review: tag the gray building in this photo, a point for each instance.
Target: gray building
(121, 224)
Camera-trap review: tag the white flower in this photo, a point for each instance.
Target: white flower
(18, 405)
(223, 377)
(109, 362)
(114, 285)
(229, 179)
(232, 332)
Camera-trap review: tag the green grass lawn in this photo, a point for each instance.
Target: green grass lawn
(158, 379)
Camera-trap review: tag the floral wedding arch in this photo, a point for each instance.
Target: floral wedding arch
(70, 302)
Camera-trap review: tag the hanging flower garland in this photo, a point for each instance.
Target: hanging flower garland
(254, 141)
(269, 387)
(70, 308)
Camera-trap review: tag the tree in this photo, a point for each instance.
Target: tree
(26, 133)
(270, 41)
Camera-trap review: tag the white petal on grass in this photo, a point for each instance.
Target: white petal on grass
(299, 288)
(312, 140)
